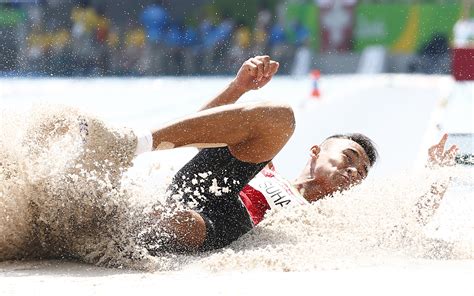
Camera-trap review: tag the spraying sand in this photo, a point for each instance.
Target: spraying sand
(64, 194)
(60, 189)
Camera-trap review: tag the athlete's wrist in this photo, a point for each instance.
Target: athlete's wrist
(237, 88)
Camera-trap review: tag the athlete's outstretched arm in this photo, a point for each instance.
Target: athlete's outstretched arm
(254, 132)
(438, 157)
(253, 74)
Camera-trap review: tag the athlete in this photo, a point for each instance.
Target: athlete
(226, 189)
(230, 184)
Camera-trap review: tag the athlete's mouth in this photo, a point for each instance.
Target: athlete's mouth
(346, 178)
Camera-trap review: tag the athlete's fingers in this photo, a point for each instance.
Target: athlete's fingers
(261, 69)
(251, 68)
(263, 57)
(266, 64)
(266, 68)
(431, 152)
(450, 155)
(438, 149)
(443, 141)
(259, 65)
(273, 67)
(452, 151)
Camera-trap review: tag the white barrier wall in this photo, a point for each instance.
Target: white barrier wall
(396, 111)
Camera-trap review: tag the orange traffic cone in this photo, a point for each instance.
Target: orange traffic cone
(315, 74)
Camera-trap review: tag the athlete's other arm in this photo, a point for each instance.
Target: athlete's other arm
(437, 157)
(254, 73)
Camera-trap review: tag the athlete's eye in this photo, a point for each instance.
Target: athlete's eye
(348, 159)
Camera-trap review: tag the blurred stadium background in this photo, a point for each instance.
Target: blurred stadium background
(202, 37)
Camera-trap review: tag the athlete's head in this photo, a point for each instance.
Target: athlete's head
(338, 163)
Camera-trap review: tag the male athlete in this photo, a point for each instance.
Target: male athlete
(222, 198)
(225, 190)
(230, 184)
(227, 187)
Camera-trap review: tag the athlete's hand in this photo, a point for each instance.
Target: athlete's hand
(438, 156)
(255, 73)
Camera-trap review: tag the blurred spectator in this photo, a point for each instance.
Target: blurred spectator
(84, 19)
(302, 59)
(260, 41)
(216, 43)
(79, 38)
(190, 43)
(175, 40)
(60, 52)
(36, 49)
(240, 48)
(133, 62)
(101, 40)
(155, 21)
(280, 48)
(433, 56)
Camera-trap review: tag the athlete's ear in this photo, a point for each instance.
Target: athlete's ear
(314, 151)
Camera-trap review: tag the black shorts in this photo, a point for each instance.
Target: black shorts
(210, 184)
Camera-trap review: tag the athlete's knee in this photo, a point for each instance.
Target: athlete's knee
(272, 126)
(285, 118)
(277, 117)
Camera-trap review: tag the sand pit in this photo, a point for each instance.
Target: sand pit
(369, 230)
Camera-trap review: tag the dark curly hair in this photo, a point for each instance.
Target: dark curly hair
(365, 142)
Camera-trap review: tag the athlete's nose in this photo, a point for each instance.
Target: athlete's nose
(352, 173)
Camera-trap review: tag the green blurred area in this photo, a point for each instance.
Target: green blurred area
(308, 14)
(11, 17)
(401, 27)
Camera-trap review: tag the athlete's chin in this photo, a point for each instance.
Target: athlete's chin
(339, 186)
(332, 182)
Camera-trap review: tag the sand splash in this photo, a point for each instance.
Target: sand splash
(64, 197)
(372, 224)
(60, 193)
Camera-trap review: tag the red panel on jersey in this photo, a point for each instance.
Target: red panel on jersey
(255, 203)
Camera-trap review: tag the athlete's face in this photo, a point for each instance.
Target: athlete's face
(338, 164)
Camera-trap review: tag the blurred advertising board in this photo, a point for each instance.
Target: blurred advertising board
(336, 22)
(402, 28)
(345, 25)
(463, 63)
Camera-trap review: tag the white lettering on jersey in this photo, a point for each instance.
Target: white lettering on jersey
(276, 190)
